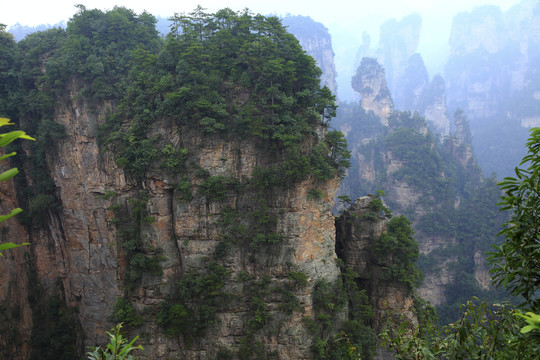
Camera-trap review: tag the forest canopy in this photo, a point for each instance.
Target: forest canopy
(222, 74)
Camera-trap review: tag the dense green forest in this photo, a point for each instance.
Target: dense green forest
(227, 74)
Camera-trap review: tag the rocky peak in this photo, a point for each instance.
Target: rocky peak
(370, 82)
(459, 144)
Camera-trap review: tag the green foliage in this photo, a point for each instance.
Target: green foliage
(329, 298)
(515, 263)
(415, 149)
(183, 189)
(225, 74)
(299, 278)
(224, 354)
(10, 245)
(401, 251)
(124, 312)
(533, 321)
(138, 156)
(315, 194)
(339, 153)
(130, 218)
(359, 307)
(174, 160)
(346, 339)
(482, 332)
(345, 200)
(101, 47)
(250, 349)
(377, 206)
(118, 348)
(10, 314)
(216, 188)
(40, 195)
(191, 308)
(107, 196)
(174, 317)
(55, 332)
(8, 75)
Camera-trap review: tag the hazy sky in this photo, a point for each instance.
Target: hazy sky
(34, 12)
(345, 19)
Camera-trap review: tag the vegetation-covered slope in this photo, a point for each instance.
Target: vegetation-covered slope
(437, 184)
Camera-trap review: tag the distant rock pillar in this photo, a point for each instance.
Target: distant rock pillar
(370, 83)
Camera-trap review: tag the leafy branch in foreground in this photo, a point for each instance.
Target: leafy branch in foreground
(5, 139)
(483, 332)
(118, 348)
(516, 263)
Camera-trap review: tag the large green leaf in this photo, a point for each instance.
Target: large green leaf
(10, 245)
(13, 135)
(8, 174)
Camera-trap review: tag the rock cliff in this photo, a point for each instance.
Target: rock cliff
(398, 43)
(434, 107)
(81, 245)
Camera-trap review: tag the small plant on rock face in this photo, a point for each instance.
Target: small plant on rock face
(118, 348)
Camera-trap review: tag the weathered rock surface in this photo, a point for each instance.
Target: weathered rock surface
(80, 246)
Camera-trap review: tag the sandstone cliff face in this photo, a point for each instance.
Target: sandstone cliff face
(15, 311)
(317, 42)
(188, 234)
(411, 84)
(471, 32)
(79, 254)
